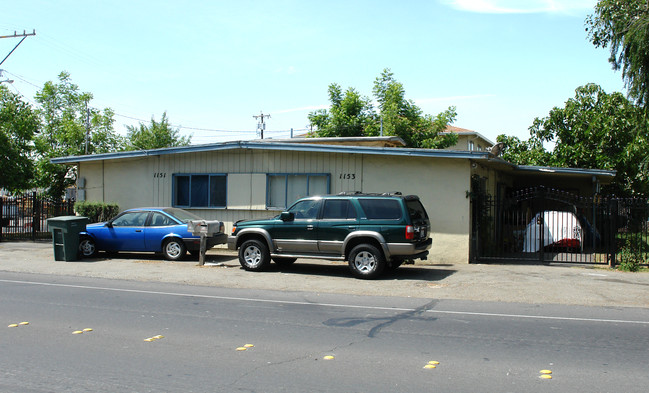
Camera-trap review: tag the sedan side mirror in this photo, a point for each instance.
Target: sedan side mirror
(108, 224)
(287, 216)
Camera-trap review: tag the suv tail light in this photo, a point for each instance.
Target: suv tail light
(410, 232)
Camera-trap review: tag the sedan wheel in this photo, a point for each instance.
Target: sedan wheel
(87, 247)
(174, 249)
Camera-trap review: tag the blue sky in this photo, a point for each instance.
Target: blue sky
(213, 65)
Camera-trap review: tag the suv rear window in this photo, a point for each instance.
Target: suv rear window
(381, 209)
(416, 210)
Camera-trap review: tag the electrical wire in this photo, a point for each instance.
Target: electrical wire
(230, 133)
(22, 79)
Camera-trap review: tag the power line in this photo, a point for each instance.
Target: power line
(184, 127)
(22, 79)
(211, 129)
(204, 129)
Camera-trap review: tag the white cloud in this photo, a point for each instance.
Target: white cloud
(290, 70)
(521, 6)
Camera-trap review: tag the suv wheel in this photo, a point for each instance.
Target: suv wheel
(366, 261)
(254, 255)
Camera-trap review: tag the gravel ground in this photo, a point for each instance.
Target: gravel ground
(522, 283)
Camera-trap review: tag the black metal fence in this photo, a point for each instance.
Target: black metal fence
(23, 217)
(547, 225)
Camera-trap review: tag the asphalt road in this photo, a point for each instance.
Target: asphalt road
(378, 344)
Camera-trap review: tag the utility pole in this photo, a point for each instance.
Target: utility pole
(87, 127)
(261, 126)
(24, 35)
(6, 80)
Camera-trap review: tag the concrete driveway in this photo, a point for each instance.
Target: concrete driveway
(533, 284)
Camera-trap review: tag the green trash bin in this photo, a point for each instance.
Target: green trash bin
(65, 236)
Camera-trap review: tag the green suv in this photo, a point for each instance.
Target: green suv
(373, 232)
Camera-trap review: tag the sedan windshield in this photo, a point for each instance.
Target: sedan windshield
(183, 215)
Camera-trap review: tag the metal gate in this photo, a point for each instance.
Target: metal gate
(547, 225)
(23, 217)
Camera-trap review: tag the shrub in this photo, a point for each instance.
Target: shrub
(96, 211)
(631, 258)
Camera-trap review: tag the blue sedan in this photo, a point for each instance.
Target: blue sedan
(146, 229)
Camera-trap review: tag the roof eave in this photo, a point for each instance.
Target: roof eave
(287, 146)
(566, 171)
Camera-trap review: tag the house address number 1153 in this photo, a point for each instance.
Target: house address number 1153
(347, 176)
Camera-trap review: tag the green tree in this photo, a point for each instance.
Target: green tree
(594, 130)
(623, 27)
(18, 123)
(353, 115)
(66, 121)
(529, 152)
(155, 136)
(349, 115)
(401, 117)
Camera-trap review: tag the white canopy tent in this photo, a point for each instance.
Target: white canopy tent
(561, 229)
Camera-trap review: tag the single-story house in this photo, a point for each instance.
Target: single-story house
(238, 180)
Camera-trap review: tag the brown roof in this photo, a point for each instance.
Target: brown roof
(450, 128)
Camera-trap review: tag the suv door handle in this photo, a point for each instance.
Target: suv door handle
(309, 227)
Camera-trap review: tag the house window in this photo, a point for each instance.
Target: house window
(471, 146)
(199, 190)
(286, 188)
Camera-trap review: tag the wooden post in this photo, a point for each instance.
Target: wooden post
(202, 250)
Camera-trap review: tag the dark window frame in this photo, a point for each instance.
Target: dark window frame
(191, 180)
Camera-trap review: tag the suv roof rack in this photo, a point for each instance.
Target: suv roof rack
(391, 193)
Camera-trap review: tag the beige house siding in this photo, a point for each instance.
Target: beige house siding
(93, 179)
(441, 184)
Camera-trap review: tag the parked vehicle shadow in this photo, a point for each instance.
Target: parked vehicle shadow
(228, 260)
(417, 272)
(338, 269)
(307, 267)
(103, 256)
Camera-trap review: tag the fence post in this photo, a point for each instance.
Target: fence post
(2, 217)
(612, 248)
(35, 215)
(541, 198)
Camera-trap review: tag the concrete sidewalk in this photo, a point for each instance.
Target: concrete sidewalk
(534, 284)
